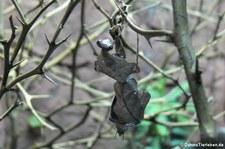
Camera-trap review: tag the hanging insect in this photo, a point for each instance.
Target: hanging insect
(128, 105)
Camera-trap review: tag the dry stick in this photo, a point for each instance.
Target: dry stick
(74, 69)
(210, 43)
(28, 98)
(97, 133)
(152, 76)
(220, 19)
(175, 124)
(217, 36)
(41, 2)
(19, 10)
(183, 43)
(14, 106)
(101, 10)
(91, 45)
(14, 122)
(66, 79)
(1, 20)
(160, 112)
(193, 13)
(203, 17)
(65, 105)
(10, 8)
(145, 8)
(198, 19)
(46, 17)
(137, 49)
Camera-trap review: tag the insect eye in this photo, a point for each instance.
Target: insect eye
(99, 42)
(105, 44)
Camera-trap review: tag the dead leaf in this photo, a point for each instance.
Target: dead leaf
(128, 105)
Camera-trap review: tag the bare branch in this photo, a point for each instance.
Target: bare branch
(13, 107)
(183, 43)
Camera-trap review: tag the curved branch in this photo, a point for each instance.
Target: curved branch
(148, 34)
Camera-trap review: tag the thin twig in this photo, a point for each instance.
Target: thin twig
(9, 110)
(74, 58)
